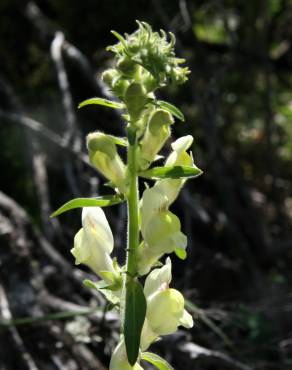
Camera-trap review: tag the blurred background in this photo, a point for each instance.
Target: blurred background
(237, 215)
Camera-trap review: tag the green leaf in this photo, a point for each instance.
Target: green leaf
(97, 285)
(135, 312)
(181, 253)
(171, 109)
(156, 360)
(171, 172)
(104, 288)
(101, 101)
(104, 201)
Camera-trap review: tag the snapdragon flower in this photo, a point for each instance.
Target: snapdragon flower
(94, 243)
(160, 228)
(165, 307)
(162, 234)
(119, 359)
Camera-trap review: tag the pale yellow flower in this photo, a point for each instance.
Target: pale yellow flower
(178, 157)
(94, 241)
(165, 306)
(119, 359)
(161, 229)
(104, 157)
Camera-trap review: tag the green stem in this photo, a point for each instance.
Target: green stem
(133, 208)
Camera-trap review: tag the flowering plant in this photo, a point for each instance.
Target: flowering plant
(144, 62)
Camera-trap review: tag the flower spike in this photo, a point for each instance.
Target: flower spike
(145, 61)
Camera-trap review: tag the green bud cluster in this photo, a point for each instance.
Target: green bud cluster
(153, 52)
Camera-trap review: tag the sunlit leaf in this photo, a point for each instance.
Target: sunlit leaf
(103, 201)
(171, 109)
(101, 101)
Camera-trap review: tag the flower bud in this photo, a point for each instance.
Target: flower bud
(127, 66)
(104, 157)
(94, 241)
(109, 76)
(115, 82)
(153, 52)
(119, 87)
(119, 359)
(156, 134)
(135, 99)
(150, 82)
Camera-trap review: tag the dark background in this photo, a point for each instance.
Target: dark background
(237, 215)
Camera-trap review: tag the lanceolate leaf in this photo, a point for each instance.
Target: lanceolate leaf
(157, 361)
(101, 101)
(135, 312)
(171, 109)
(104, 201)
(171, 172)
(104, 289)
